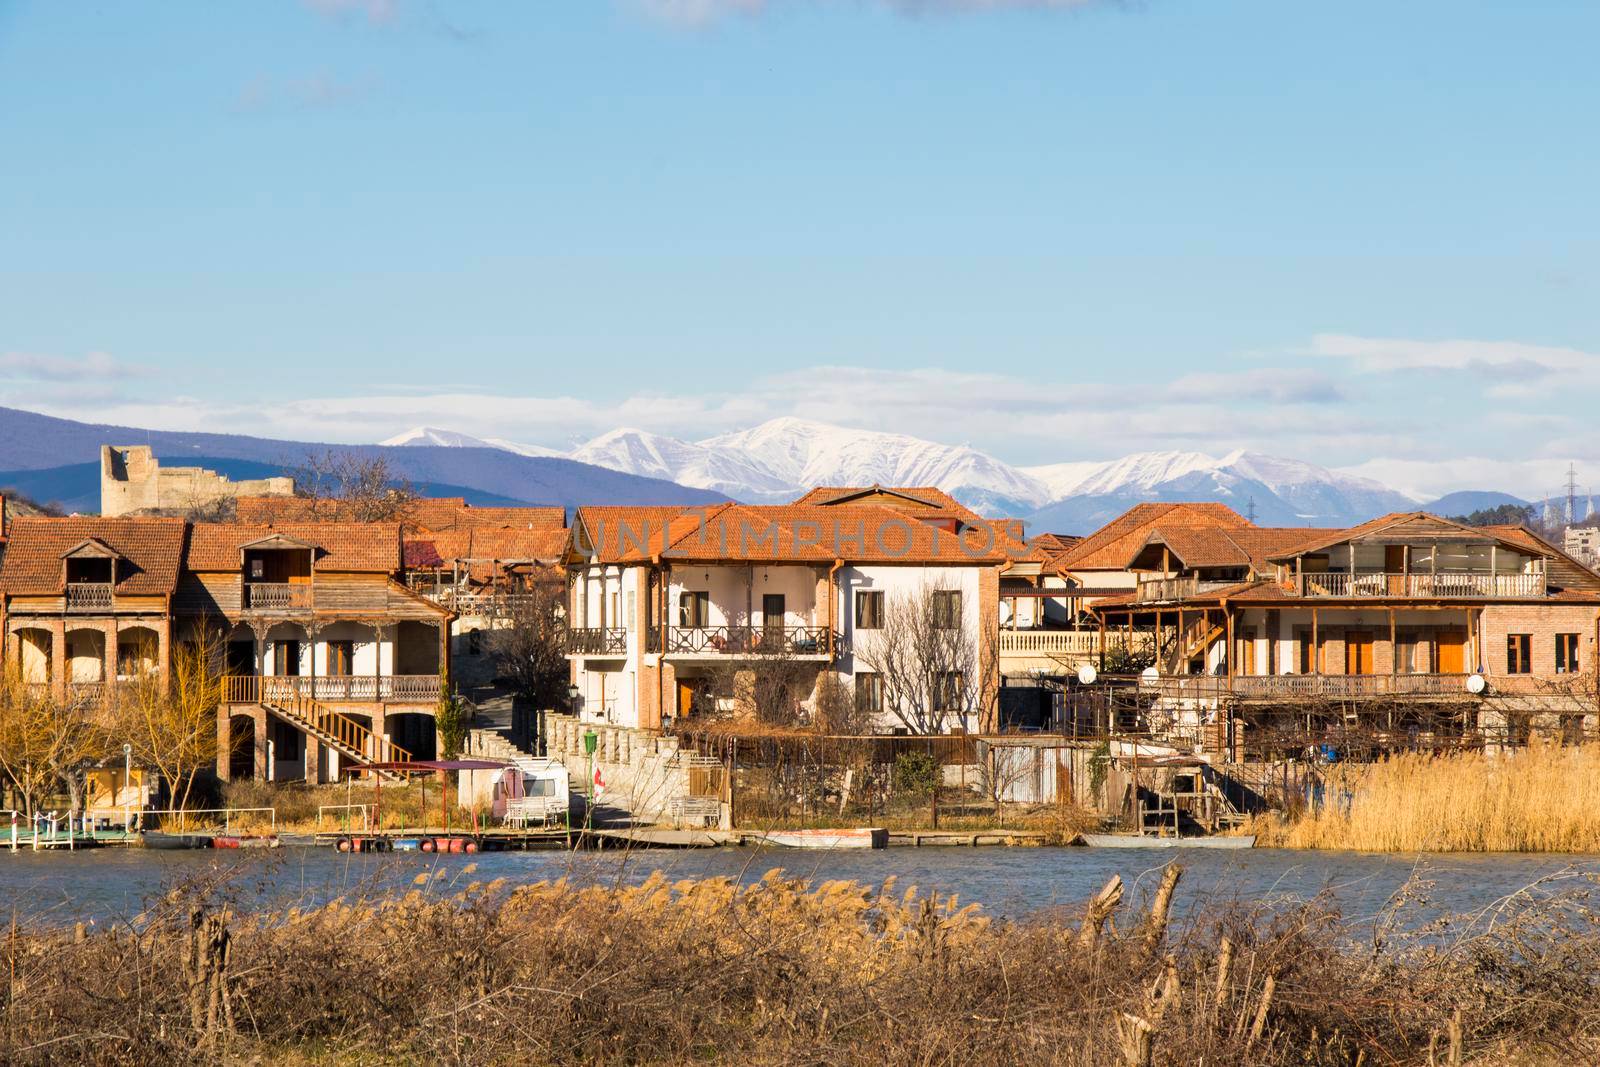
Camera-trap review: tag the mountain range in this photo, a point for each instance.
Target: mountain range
(778, 459)
(57, 460)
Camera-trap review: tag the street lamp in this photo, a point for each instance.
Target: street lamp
(127, 779)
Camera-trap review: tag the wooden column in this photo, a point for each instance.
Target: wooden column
(1316, 644)
(1183, 635)
(1394, 649)
(1228, 625)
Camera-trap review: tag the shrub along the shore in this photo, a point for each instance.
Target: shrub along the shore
(1542, 798)
(785, 972)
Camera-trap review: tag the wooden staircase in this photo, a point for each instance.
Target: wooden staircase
(1196, 638)
(339, 732)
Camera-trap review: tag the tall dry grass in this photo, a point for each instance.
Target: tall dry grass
(1543, 798)
(786, 972)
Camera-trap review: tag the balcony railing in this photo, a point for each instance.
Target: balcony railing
(597, 641)
(749, 641)
(1305, 686)
(1064, 642)
(88, 596)
(333, 689)
(1156, 590)
(276, 596)
(1421, 586)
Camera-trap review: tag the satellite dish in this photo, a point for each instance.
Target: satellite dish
(1476, 684)
(1087, 674)
(1150, 676)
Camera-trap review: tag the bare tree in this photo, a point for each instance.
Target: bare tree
(930, 663)
(172, 723)
(529, 646)
(44, 740)
(350, 487)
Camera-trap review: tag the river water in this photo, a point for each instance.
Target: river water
(107, 884)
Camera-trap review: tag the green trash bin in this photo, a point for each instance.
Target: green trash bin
(591, 742)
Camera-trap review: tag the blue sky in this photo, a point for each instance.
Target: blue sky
(1361, 234)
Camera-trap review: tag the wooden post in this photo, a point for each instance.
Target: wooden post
(1182, 637)
(1394, 650)
(1231, 650)
(1102, 641)
(1316, 644)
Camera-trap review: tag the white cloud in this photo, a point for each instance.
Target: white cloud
(372, 10)
(1379, 354)
(33, 366)
(1430, 479)
(701, 12)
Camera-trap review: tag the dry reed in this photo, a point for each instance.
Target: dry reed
(1543, 798)
(786, 972)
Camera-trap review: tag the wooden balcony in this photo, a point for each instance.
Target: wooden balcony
(597, 641)
(332, 689)
(88, 596)
(716, 641)
(1160, 590)
(1443, 585)
(1303, 687)
(277, 596)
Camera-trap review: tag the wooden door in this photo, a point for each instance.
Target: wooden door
(1394, 565)
(685, 698)
(1247, 652)
(1306, 662)
(1358, 652)
(1452, 651)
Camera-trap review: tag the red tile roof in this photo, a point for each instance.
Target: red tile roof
(341, 546)
(150, 551)
(424, 514)
(856, 533)
(1114, 544)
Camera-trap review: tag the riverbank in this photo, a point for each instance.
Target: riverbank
(457, 967)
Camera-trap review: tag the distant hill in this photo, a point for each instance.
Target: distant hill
(54, 459)
(1468, 501)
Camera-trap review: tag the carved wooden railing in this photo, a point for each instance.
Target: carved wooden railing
(346, 689)
(89, 596)
(276, 596)
(1421, 586)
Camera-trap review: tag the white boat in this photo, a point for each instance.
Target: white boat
(1153, 841)
(871, 837)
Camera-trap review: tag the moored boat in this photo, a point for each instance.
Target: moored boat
(157, 839)
(867, 837)
(1153, 841)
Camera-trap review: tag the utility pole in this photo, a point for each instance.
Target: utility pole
(1250, 510)
(1572, 493)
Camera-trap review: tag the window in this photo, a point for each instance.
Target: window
(694, 609)
(632, 605)
(1519, 653)
(340, 653)
(772, 607)
(1566, 653)
(947, 609)
(949, 692)
(869, 693)
(869, 610)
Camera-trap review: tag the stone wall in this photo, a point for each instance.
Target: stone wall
(641, 768)
(132, 479)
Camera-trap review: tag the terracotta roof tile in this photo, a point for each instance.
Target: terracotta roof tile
(150, 551)
(857, 533)
(341, 546)
(425, 514)
(1110, 547)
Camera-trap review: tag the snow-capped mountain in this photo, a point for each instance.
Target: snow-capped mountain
(781, 458)
(426, 436)
(686, 463)
(803, 453)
